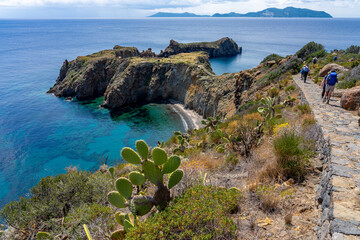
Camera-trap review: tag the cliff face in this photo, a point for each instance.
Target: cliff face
(124, 78)
(221, 48)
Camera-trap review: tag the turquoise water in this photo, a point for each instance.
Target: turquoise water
(41, 135)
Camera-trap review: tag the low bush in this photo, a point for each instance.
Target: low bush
(353, 49)
(291, 66)
(53, 198)
(273, 92)
(304, 109)
(271, 57)
(309, 49)
(290, 88)
(201, 213)
(292, 155)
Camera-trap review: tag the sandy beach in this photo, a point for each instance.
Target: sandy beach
(190, 118)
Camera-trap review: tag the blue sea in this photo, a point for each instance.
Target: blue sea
(41, 135)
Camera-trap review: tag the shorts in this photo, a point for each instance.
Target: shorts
(330, 88)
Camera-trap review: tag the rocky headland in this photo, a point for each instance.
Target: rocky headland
(124, 76)
(224, 47)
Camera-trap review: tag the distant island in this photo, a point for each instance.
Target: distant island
(289, 12)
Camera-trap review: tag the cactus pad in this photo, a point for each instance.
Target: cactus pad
(137, 178)
(124, 187)
(152, 172)
(127, 225)
(120, 217)
(172, 164)
(112, 171)
(143, 205)
(116, 199)
(142, 148)
(158, 156)
(118, 235)
(130, 156)
(175, 178)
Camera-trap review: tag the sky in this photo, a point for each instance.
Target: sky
(48, 9)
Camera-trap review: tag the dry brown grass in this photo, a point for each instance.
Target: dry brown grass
(308, 119)
(265, 157)
(210, 161)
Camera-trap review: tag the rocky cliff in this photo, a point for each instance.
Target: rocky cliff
(221, 48)
(125, 78)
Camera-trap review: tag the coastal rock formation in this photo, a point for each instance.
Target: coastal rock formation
(221, 48)
(125, 52)
(351, 99)
(124, 78)
(327, 68)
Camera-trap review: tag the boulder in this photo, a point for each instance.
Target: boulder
(350, 99)
(328, 67)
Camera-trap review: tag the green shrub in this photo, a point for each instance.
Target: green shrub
(273, 92)
(353, 49)
(215, 137)
(347, 84)
(54, 197)
(319, 54)
(271, 123)
(309, 49)
(290, 88)
(291, 66)
(290, 155)
(304, 108)
(271, 57)
(201, 213)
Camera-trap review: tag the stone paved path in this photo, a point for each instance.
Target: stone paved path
(343, 189)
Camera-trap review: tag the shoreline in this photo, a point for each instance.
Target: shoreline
(191, 119)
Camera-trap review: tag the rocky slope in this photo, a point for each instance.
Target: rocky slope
(125, 78)
(221, 48)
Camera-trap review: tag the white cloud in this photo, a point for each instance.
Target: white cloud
(141, 8)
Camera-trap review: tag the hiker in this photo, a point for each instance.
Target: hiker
(304, 72)
(323, 84)
(335, 58)
(315, 60)
(331, 81)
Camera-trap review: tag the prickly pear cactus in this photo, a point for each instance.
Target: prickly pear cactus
(152, 170)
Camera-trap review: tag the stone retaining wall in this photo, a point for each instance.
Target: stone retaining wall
(338, 193)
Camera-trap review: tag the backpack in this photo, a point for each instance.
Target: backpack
(332, 78)
(306, 69)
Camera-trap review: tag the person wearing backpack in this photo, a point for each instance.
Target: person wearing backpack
(331, 81)
(323, 84)
(304, 72)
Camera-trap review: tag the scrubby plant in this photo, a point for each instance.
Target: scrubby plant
(273, 92)
(152, 170)
(290, 88)
(292, 155)
(272, 57)
(54, 198)
(304, 108)
(353, 49)
(201, 213)
(307, 50)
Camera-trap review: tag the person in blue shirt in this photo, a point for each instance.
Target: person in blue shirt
(331, 81)
(304, 72)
